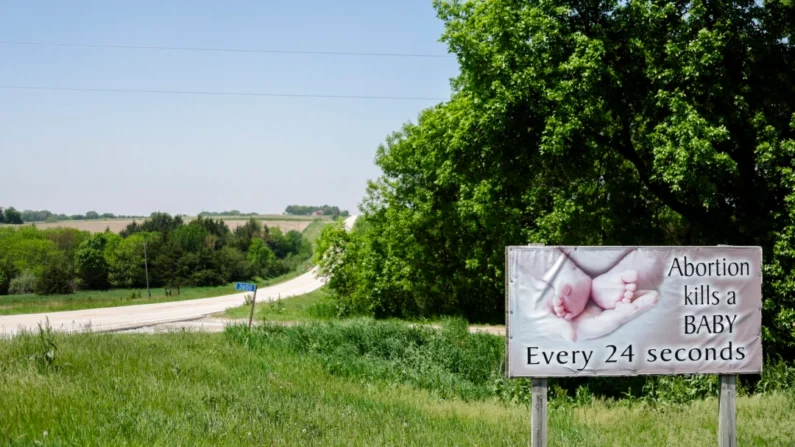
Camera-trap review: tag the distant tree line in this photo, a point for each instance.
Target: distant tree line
(10, 215)
(204, 252)
(226, 213)
(304, 210)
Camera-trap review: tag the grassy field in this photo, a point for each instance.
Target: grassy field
(217, 389)
(314, 305)
(92, 299)
(312, 231)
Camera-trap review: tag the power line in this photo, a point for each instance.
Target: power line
(184, 92)
(227, 50)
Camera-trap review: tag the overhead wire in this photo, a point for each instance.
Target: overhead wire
(228, 50)
(216, 93)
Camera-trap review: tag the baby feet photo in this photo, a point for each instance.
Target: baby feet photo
(591, 302)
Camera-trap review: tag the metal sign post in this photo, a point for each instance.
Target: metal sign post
(249, 288)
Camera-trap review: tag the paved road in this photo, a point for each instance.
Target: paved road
(131, 317)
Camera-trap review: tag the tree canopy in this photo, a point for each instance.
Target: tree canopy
(586, 122)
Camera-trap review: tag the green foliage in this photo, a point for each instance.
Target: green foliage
(91, 263)
(5, 282)
(23, 284)
(125, 259)
(260, 257)
(201, 253)
(449, 361)
(618, 123)
(11, 216)
(57, 276)
(325, 210)
(337, 256)
(244, 234)
(190, 237)
(226, 213)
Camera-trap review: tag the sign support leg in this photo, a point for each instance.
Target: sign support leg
(253, 301)
(727, 412)
(538, 413)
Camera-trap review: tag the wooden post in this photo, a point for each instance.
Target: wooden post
(727, 412)
(253, 301)
(538, 409)
(538, 414)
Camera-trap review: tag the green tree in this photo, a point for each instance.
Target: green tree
(12, 216)
(125, 258)
(90, 262)
(92, 215)
(190, 237)
(643, 122)
(260, 257)
(244, 234)
(56, 277)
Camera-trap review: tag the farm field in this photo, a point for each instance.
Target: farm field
(218, 389)
(284, 223)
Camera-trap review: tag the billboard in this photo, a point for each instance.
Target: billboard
(616, 311)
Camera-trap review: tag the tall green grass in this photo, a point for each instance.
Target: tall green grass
(452, 362)
(239, 389)
(313, 230)
(315, 305)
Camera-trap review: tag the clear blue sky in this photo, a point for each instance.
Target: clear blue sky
(133, 153)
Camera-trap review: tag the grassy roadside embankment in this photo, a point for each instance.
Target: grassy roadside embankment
(314, 305)
(256, 388)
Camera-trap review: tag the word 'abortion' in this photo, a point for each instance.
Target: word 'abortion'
(718, 267)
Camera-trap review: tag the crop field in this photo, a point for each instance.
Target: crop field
(284, 223)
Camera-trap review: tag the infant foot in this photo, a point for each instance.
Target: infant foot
(572, 289)
(613, 288)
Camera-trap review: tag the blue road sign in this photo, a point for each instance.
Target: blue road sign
(245, 287)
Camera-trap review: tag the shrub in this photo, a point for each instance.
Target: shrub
(23, 284)
(57, 277)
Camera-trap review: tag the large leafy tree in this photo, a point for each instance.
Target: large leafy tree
(12, 216)
(91, 263)
(590, 122)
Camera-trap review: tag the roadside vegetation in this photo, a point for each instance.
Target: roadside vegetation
(316, 305)
(312, 232)
(351, 383)
(37, 266)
